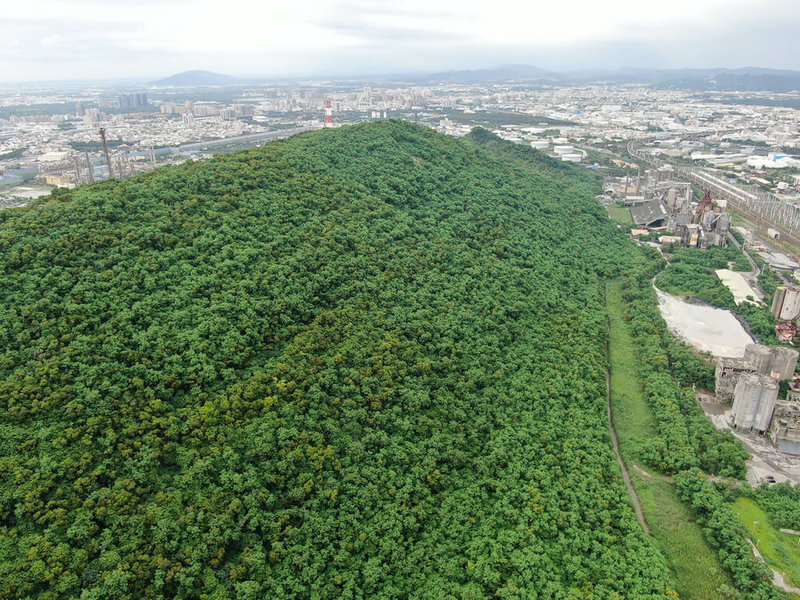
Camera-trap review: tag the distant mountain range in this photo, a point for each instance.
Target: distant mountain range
(497, 75)
(743, 79)
(747, 79)
(196, 79)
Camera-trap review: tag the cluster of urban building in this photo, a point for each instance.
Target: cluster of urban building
(662, 202)
(53, 126)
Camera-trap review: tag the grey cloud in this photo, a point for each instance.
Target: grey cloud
(375, 23)
(72, 45)
(390, 37)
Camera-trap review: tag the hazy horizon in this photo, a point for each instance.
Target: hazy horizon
(50, 40)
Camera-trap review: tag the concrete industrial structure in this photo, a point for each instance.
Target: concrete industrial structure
(785, 428)
(786, 303)
(753, 382)
(777, 362)
(784, 363)
(754, 401)
(665, 203)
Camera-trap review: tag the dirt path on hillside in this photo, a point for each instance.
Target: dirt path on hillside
(637, 505)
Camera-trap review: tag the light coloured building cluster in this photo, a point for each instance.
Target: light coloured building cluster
(576, 123)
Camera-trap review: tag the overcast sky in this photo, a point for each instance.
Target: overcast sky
(84, 39)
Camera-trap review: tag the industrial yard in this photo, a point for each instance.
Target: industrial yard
(756, 395)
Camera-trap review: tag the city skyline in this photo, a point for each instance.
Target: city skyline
(86, 39)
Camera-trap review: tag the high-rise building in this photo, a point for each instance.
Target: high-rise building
(244, 110)
(132, 100)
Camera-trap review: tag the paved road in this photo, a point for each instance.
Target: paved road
(777, 577)
(752, 276)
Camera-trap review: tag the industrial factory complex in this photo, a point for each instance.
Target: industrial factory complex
(757, 393)
(663, 203)
(752, 384)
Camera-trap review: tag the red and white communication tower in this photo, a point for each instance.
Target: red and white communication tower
(328, 114)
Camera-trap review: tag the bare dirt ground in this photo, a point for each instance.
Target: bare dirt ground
(765, 460)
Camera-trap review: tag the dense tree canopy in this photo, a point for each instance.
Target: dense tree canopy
(358, 363)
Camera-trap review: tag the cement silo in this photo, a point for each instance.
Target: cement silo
(753, 402)
(784, 362)
(672, 198)
(758, 357)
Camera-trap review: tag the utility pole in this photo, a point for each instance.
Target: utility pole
(105, 151)
(78, 176)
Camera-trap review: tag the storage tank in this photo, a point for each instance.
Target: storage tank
(784, 362)
(753, 402)
(540, 144)
(563, 149)
(759, 357)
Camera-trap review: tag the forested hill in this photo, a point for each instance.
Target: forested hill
(359, 363)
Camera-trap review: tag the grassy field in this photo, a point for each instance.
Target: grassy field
(696, 567)
(620, 214)
(632, 417)
(780, 550)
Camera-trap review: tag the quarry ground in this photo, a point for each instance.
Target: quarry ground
(765, 459)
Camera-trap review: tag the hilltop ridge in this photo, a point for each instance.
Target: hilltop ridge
(194, 79)
(366, 362)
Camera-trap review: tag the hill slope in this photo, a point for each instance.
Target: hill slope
(195, 78)
(359, 363)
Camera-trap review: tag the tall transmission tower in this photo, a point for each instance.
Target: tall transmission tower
(105, 151)
(89, 168)
(328, 114)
